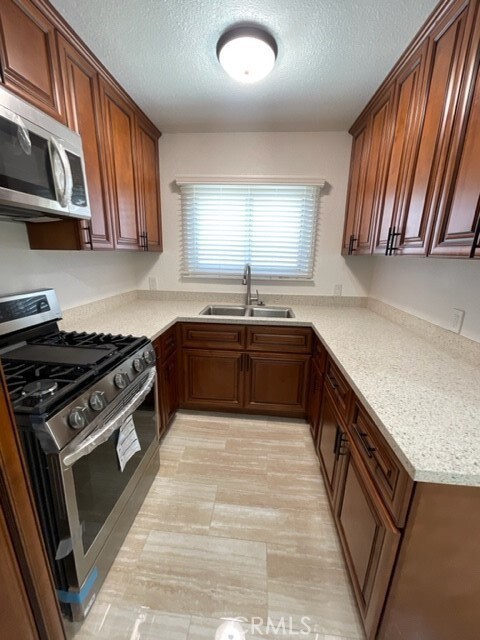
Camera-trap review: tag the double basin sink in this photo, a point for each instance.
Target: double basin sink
(245, 311)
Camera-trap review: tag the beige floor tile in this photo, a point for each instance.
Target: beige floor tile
(123, 621)
(175, 505)
(296, 529)
(237, 523)
(252, 496)
(200, 575)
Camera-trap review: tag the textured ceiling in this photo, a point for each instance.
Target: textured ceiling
(332, 56)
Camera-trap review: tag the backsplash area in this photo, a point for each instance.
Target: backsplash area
(79, 277)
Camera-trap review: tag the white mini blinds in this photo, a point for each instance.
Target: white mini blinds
(270, 226)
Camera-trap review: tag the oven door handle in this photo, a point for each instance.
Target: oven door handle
(103, 433)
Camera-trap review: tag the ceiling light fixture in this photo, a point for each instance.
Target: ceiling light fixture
(247, 54)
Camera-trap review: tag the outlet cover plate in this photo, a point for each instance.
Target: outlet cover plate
(457, 320)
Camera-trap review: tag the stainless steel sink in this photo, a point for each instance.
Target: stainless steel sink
(271, 312)
(245, 311)
(224, 310)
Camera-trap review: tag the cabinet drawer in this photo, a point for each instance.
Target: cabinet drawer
(213, 336)
(390, 478)
(168, 343)
(339, 389)
(283, 339)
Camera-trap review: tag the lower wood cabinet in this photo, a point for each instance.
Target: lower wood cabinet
(369, 538)
(168, 382)
(169, 391)
(330, 444)
(276, 382)
(232, 371)
(315, 389)
(212, 379)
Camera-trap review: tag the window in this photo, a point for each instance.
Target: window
(270, 226)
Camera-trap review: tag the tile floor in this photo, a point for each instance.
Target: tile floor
(236, 524)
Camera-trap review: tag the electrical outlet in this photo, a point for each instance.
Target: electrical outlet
(457, 320)
(152, 283)
(337, 289)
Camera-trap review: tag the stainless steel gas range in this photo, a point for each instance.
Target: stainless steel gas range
(86, 408)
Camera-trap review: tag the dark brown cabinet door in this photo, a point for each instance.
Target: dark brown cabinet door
(358, 164)
(407, 100)
(369, 539)
(444, 64)
(315, 389)
(458, 223)
(276, 383)
(148, 182)
(82, 101)
(212, 379)
(29, 56)
(330, 444)
(169, 391)
(374, 141)
(119, 125)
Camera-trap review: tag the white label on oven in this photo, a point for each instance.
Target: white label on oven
(128, 443)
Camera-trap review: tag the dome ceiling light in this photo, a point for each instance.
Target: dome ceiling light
(247, 54)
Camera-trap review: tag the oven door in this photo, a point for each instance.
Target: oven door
(96, 488)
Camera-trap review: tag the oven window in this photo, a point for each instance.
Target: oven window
(21, 171)
(99, 483)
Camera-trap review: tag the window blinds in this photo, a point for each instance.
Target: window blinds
(270, 226)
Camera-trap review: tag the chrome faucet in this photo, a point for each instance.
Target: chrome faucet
(247, 279)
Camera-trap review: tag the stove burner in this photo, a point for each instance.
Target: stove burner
(40, 388)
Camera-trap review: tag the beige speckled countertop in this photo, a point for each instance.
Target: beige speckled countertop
(425, 401)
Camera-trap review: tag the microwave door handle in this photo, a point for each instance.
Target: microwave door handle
(64, 192)
(103, 433)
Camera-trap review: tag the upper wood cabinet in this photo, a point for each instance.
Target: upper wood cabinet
(119, 132)
(406, 112)
(425, 199)
(46, 63)
(371, 138)
(29, 57)
(82, 101)
(148, 185)
(457, 229)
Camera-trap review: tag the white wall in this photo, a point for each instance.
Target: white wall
(323, 155)
(78, 276)
(431, 288)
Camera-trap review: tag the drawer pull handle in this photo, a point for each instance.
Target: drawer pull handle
(332, 380)
(363, 437)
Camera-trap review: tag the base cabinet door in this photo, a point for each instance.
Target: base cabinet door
(212, 379)
(315, 388)
(169, 391)
(276, 383)
(330, 444)
(369, 539)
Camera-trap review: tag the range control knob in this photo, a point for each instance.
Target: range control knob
(77, 418)
(97, 401)
(120, 380)
(138, 365)
(149, 356)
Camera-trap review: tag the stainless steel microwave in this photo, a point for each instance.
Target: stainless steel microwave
(42, 169)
